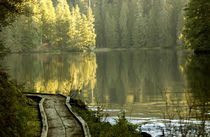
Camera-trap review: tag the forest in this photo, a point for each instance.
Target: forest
(50, 25)
(139, 23)
(83, 25)
(121, 53)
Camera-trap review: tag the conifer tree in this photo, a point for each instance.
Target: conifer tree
(77, 22)
(83, 33)
(123, 19)
(84, 29)
(91, 29)
(165, 35)
(139, 33)
(196, 26)
(112, 37)
(63, 22)
(153, 25)
(48, 21)
(24, 34)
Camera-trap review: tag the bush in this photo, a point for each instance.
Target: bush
(16, 118)
(99, 128)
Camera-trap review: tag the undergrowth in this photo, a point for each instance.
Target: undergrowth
(99, 128)
(18, 114)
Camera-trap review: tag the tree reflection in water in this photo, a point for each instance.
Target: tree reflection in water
(59, 73)
(197, 75)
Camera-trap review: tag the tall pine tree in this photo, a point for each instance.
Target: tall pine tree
(196, 27)
(63, 23)
(48, 22)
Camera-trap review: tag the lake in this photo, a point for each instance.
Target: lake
(150, 85)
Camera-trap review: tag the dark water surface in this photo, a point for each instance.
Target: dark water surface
(146, 84)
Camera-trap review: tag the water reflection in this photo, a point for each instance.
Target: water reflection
(197, 73)
(135, 81)
(57, 73)
(192, 115)
(131, 80)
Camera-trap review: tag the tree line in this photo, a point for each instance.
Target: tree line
(138, 23)
(118, 23)
(49, 25)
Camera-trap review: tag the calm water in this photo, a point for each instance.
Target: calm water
(146, 84)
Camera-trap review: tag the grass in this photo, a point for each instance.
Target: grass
(99, 128)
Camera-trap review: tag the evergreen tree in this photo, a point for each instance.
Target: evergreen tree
(77, 22)
(139, 31)
(175, 8)
(91, 29)
(99, 12)
(63, 23)
(132, 7)
(123, 24)
(48, 21)
(112, 37)
(24, 34)
(84, 35)
(196, 26)
(32, 33)
(153, 25)
(11, 37)
(165, 34)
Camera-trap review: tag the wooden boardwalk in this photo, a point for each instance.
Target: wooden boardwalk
(58, 119)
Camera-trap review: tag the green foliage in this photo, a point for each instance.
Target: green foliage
(63, 22)
(9, 9)
(123, 25)
(139, 30)
(16, 118)
(47, 28)
(196, 26)
(47, 12)
(138, 23)
(123, 128)
(127, 23)
(99, 128)
(111, 35)
(24, 34)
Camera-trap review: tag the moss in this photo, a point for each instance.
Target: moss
(99, 128)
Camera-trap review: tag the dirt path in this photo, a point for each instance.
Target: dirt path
(61, 122)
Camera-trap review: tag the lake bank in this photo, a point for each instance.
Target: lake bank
(134, 81)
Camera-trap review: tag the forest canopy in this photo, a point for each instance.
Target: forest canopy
(196, 28)
(50, 25)
(73, 25)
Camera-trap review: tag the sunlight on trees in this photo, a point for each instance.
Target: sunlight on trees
(70, 25)
(51, 26)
